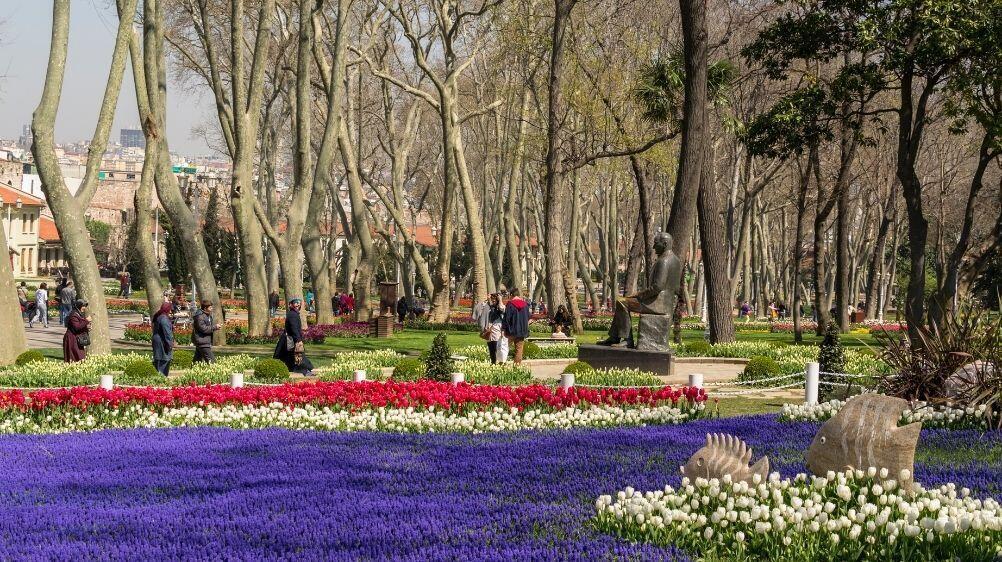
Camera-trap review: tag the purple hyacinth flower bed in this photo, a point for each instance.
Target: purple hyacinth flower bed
(276, 494)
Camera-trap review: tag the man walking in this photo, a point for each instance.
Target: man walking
(273, 302)
(516, 323)
(201, 333)
(67, 295)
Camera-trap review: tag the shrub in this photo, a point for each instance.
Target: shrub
(506, 374)
(698, 348)
(30, 356)
(531, 351)
(439, 362)
(183, 359)
(141, 370)
(578, 367)
(831, 359)
(270, 370)
(409, 370)
(760, 367)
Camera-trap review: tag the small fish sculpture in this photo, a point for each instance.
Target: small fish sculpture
(725, 455)
(865, 433)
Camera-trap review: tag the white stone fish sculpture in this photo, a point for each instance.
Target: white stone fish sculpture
(865, 433)
(725, 455)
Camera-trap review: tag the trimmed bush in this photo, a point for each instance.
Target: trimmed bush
(831, 359)
(578, 367)
(141, 370)
(271, 370)
(183, 359)
(30, 356)
(760, 367)
(531, 351)
(698, 348)
(439, 362)
(409, 370)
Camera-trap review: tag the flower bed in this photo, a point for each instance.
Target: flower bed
(931, 416)
(346, 363)
(181, 493)
(88, 372)
(790, 358)
(854, 515)
(390, 406)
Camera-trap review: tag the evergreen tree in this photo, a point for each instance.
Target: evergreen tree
(831, 359)
(214, 236)
(132, 264)
(177, 266)
(439, 364)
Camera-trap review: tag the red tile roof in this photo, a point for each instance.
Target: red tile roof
(10, 196)
(47, 229)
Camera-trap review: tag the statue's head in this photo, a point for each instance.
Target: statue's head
(662, 242)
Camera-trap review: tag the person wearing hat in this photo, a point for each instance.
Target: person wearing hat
(290, 348)
(202, 328)
(77, 336)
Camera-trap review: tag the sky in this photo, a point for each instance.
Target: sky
(25, 28)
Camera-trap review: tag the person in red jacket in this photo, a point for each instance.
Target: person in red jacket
(516, 323)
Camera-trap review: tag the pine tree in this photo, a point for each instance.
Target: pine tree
(214, 236)
(439, 364)
(177, 266)
(831, 359)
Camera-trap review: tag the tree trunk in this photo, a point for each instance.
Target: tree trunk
(67, 209)
(693, 151)
(714, 252)
(14, 343)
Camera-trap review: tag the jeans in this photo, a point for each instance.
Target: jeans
(492, 349)
(163, 367)
(64, 312)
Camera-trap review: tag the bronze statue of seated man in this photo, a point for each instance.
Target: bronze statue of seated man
(657, 299)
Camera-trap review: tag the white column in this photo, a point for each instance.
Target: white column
(457, 378)
(237, 380)
(359, 376)
(567, 381)
(696, 380)
(107, 382)
(811, 386)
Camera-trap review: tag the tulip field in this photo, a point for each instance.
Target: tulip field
(223, 493)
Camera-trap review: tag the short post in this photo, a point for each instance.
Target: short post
(359, 376)
(567, 381)
(457, 378)
(107, 382)
(236, 380)
(811, 387)
(696, 380)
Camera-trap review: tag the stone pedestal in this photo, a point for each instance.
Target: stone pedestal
(603, 356)
(381, 327)
(654, 332)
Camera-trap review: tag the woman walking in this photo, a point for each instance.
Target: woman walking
(495, 321)
(77, 336)
(41, 306)
(163, 339)
(290, 349)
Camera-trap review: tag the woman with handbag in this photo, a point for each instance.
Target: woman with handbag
(290, 349)
(163, 339)
(76, 340)
(495, 320)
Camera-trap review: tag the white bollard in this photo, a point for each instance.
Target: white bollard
(811, 387)
(359, 376)
(567, 381)
(107, 382)
(457, 378)
(696, 380)
(237, 380)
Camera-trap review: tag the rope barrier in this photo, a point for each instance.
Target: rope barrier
(754, 391)
(34, 388)
(758, 381)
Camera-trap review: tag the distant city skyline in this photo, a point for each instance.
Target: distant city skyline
(24, 51)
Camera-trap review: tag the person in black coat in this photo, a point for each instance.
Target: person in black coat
(290, 348)
(202, 328)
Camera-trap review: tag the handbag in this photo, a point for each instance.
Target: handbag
(290, 344)
(83, 340)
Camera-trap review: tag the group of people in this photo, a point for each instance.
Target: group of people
(203, 326)
(36, 310)
(505, 325)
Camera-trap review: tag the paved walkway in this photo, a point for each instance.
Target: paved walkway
(40, 337)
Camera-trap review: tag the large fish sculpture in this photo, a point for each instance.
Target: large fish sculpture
(725, 455)
(865, 433)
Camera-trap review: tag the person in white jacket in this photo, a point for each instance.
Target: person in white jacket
(41, 306)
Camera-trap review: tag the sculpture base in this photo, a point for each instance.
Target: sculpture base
(381, 327)
(654, 332)
(603, 356)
